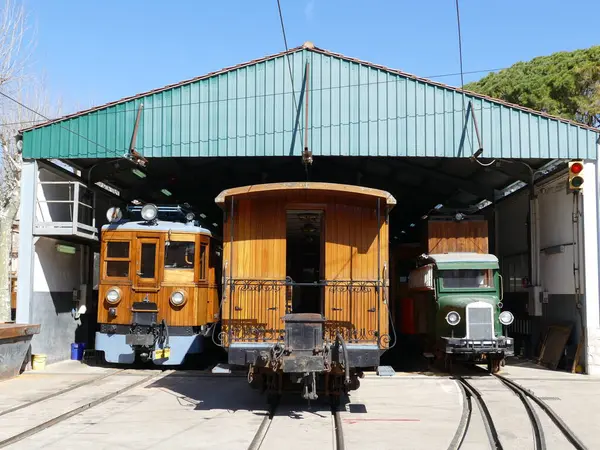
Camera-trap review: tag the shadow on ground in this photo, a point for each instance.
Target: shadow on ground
(234, 394)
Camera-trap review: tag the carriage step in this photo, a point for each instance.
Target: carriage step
(429, 355)
(221, 368)
(385, 371)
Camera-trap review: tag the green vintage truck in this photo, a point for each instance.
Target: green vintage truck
(458, 308)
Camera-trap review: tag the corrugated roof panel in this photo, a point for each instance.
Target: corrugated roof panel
(355, 108)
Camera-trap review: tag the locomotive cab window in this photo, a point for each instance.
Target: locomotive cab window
(180, 255)
(117, 259)
(467, 279)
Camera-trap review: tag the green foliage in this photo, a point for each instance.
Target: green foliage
(565, 84)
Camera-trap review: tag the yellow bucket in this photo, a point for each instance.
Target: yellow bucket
(38, 362)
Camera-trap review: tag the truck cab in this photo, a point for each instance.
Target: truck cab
(466, 306)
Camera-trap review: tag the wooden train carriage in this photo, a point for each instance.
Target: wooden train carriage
(158, 290)
(305, 269)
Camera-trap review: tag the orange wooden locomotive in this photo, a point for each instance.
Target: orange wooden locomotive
(158, 294)
(305, 293)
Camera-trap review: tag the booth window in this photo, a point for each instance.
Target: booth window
(117, 259)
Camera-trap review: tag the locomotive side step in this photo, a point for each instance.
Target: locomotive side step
(385, 371)
(221, 368)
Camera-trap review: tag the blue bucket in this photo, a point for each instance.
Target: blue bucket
(77, 351)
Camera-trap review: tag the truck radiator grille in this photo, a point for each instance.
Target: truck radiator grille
(479, 321)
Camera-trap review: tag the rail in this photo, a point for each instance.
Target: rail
(65, 208)
(470, 394)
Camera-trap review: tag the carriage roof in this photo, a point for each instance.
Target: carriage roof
(308, 185)
(159, 226)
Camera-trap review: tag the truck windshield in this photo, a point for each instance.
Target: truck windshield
(467, 279)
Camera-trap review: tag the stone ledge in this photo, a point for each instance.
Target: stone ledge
(15, 341)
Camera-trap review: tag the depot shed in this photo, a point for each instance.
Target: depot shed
(310, 114)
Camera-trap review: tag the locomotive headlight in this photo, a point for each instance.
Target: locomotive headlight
(149, 212)
(114, 214)
(453, 318)
(113, 295)
(178, 298)
(506, 318)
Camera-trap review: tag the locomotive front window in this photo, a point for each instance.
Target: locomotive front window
(117, 250)
(467, 279)
(180, 255)
(117, 259)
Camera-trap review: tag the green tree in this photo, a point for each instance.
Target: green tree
(565, 84)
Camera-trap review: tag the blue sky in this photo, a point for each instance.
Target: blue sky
(93, 52)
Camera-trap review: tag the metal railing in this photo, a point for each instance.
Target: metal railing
(256, 308)
(65, 208)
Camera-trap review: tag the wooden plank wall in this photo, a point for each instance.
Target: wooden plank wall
(351, 255)
(259, 247)
(451, 236)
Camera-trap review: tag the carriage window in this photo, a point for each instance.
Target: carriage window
(117, 259)
(180, 255)
(203, 261)
(467, 279)
(148, 266)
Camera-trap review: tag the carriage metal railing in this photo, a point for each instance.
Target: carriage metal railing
(256, 308)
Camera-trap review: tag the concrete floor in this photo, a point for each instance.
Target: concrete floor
(187, 409)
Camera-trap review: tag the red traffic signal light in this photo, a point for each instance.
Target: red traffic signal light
(576, 167)
(575, 175)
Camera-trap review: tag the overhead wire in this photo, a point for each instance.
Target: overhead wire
(462, 88)
(58, 123)
(289, 64)
(22, 122)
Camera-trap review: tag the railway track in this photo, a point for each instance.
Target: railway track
(74, 411)
(471, 394)
(266, 424)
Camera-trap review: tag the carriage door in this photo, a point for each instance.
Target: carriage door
(146, 269)
(304, 264)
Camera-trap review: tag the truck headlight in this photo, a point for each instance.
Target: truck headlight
(453, 318)
(178, 298)
(113, 295)
(506, 318)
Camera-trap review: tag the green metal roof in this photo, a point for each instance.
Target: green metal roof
(355, 108)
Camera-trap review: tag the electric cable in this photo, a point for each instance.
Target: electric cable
(289, 64)
(57, 123)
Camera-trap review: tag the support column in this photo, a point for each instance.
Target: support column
(591, 267)
(29, 174)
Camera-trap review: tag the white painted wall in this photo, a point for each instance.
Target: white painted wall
(556, 228)
(591, 224)
(55, 271)
(556, 207)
